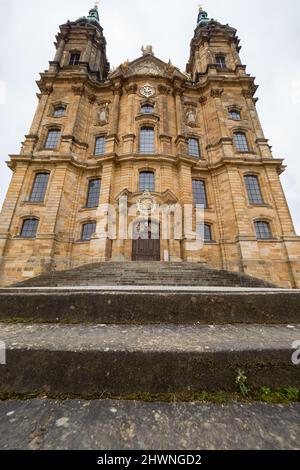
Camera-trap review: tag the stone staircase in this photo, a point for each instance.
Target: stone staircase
(115, 329)
(87, 331)
(145, 273)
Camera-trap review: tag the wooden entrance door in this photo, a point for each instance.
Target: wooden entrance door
(146, 242)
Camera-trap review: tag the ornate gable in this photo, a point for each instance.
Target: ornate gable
(148, 65)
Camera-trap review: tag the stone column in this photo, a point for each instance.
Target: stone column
(116, 109)
(179, 115)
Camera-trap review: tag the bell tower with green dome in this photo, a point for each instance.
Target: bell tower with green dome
(82, 43)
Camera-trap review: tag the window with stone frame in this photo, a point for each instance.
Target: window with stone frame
(194, 147)
(93, 193)
(147, 108)
(221, 61)
(147, 181)
(74, 58)
(235, 114)
(59, 111)
(147, 140)
(29, 228)
(199, 192)
(39, 187)
(253, 189)
(263, 230)
(207, 232)
(52, 139)
(100, 146)
(241, 142)
(88, 230)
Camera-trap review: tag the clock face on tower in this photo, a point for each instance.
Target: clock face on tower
(147, 91)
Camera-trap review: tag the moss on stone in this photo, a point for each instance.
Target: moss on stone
(263, 395)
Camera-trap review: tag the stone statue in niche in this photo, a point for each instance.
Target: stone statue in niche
(191, 117)
(103, 115)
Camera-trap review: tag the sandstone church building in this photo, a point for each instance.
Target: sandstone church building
(147, 131)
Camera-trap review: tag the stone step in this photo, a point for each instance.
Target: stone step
(84, 359)
(145, 274)
(150, 305)
(126, 425)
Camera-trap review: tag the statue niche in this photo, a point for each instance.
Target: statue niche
(191, 118)
(103, 115)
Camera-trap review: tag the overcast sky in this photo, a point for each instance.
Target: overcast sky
(270, 39)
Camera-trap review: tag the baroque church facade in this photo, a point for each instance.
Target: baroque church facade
(155, 135)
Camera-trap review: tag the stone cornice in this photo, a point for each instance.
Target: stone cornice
(97, 162)
(84, 85)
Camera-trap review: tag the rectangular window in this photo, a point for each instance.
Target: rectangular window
(88, 231)
(29, 228)
(199, 192)
(74, 58)
(147, 140)
(52, 139)
(93, 193)
(59, 111)
(240, 141)
(39, 187)
(220, 61)
(207, 233)
(147, 182)
(100, 146)
(253, 189)
(235, 114)
(194, 149)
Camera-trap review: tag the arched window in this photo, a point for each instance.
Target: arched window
(194, 148)
(29, 228)
(253, 189)
(199, 191)
(59, 111)
(147, 109)
(263, 230)
(93, 193)
(52, 139)
(147, 181)
(39, 187)
(100, 146)
(235, 114)
(88, 230)
(147, 140)
(240, 141)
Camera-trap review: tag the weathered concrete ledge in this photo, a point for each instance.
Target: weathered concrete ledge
(131, 305)
(123, 425)
(118, 359)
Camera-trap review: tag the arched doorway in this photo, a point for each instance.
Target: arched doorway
(146, 241)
